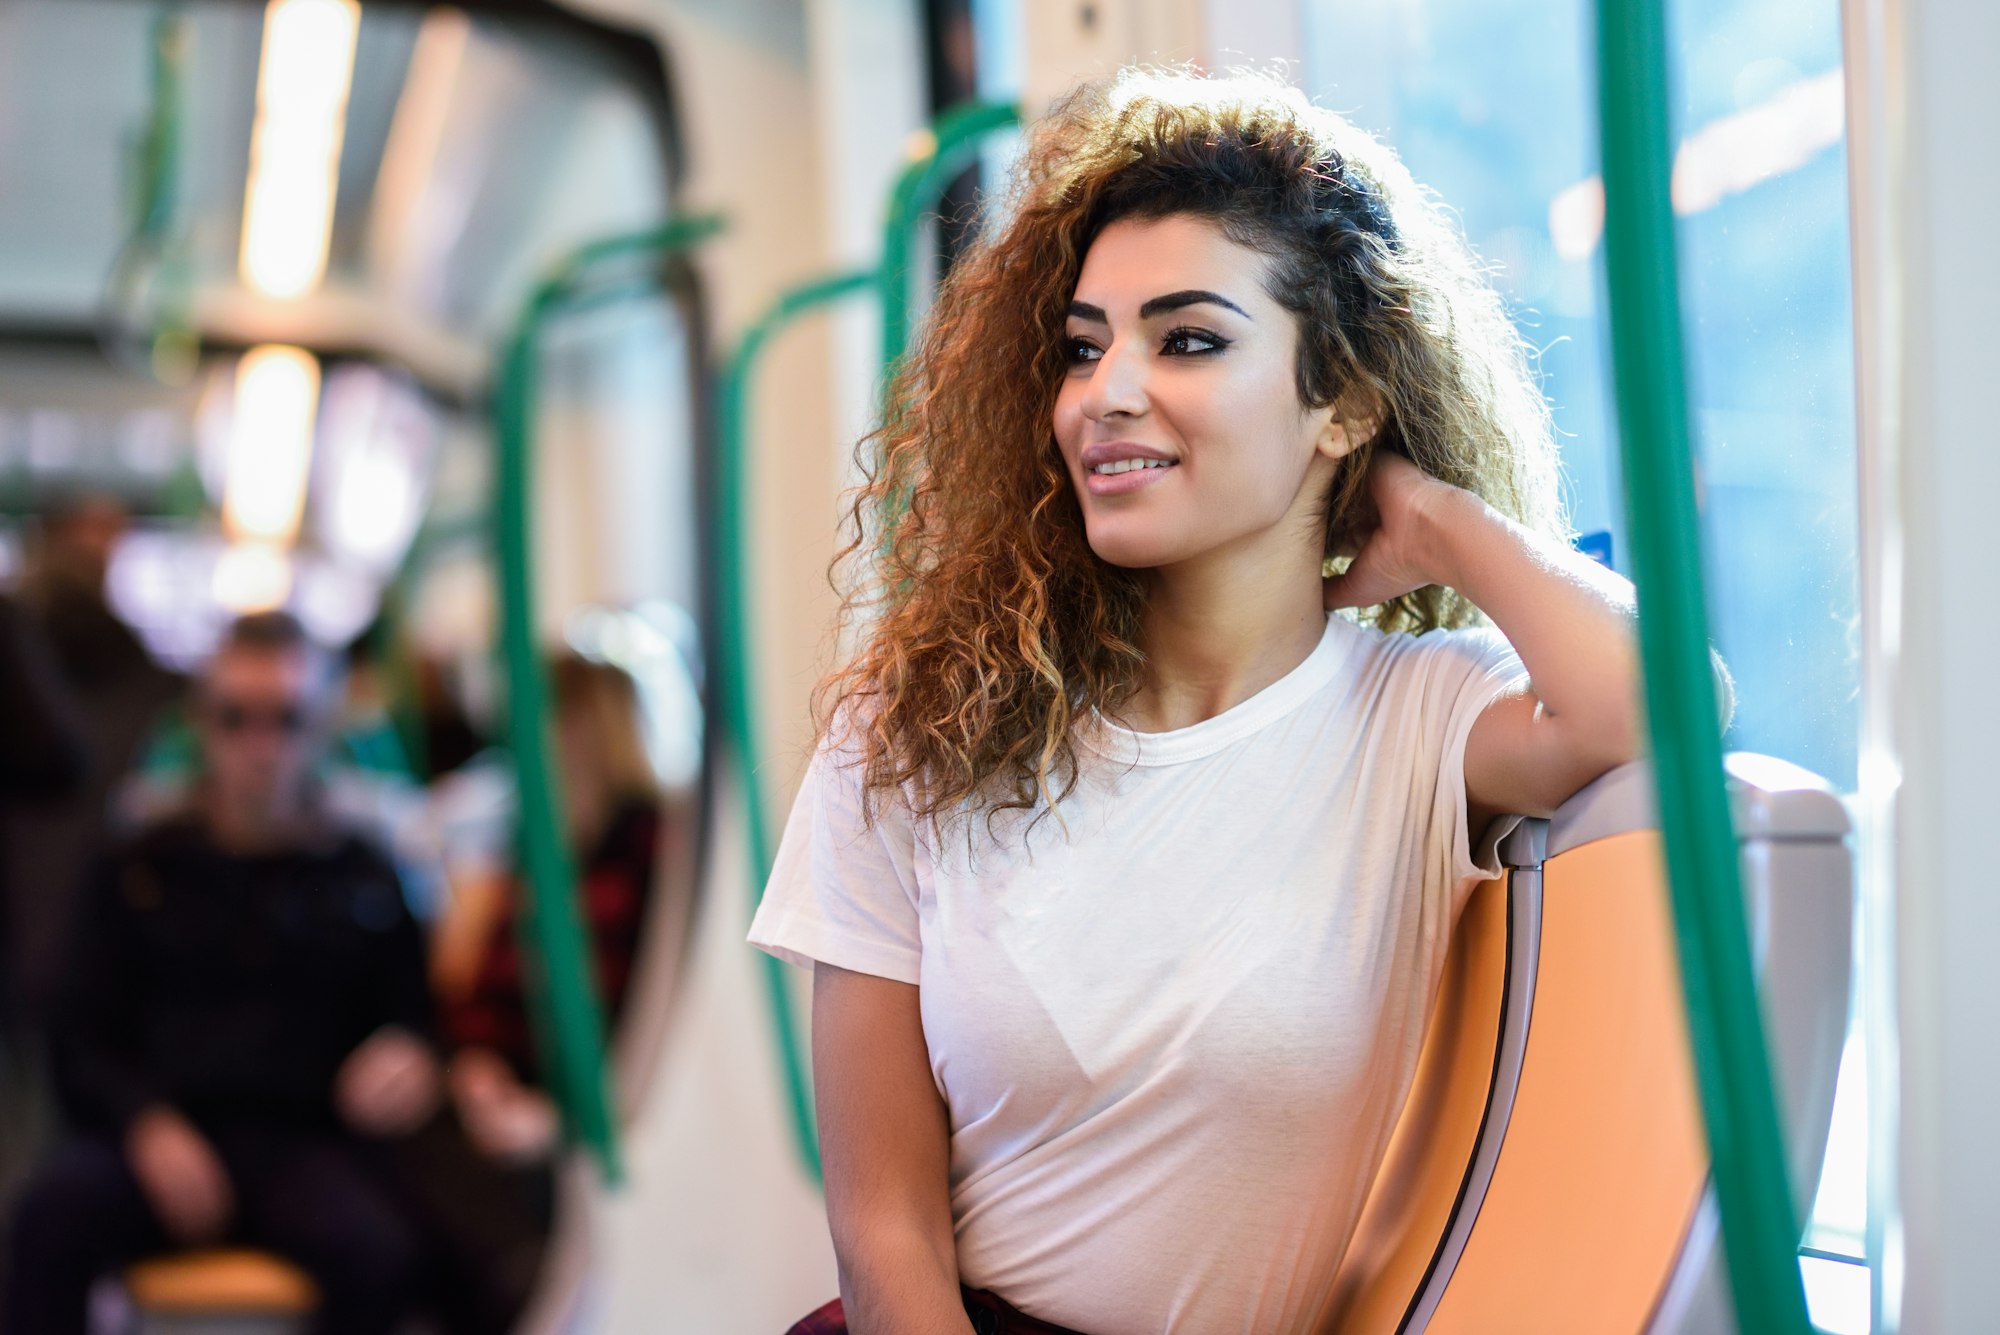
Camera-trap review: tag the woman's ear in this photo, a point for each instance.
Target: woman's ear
(1352, 421)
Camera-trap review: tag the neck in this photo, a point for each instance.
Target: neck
(589, 811)
(254, 827)
(1222, 628)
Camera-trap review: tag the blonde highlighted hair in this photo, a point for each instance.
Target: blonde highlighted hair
(605, 700)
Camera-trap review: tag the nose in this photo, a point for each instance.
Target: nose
(1117, 383)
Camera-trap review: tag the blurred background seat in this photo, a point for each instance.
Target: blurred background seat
(222, 1292)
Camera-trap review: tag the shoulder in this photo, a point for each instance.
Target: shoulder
(841, 773)
(359, 876)
(1398, 679)
(637, 815)
(633, 832)
(1480, 645)
(133, 871)
(1402, 651)
(176, 832)
(356, 852)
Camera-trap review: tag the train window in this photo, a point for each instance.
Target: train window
(1761, 186)
(1491, 105)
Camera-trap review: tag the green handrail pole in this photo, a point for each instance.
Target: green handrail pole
(571, 1025)
(1725, 1024)
(661, 241)
(936, 155)
(738, 707)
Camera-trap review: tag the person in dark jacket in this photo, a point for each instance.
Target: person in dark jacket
(120, 694)
(245, 1025)
(44, 757)
(43, 751)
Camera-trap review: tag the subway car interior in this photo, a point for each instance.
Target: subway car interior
(429, 437)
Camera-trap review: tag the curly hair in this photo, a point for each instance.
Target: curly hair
(988, 629)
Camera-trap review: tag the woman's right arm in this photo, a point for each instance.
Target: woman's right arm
(885, 1141)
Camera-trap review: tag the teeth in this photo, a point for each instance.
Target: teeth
(1127, 465)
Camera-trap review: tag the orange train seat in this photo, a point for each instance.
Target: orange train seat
(244, 1289)
(1549, 1172)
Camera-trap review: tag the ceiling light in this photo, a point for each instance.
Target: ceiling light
(253, 577)
(302, 86)
(270, 442)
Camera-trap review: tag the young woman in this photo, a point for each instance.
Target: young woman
(1128, 861)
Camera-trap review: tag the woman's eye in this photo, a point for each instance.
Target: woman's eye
(1191, 342)
(1077, 350)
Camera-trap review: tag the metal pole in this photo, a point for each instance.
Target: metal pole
(936, 155)
(1725, 1024)
(568, 1020)
(738, 694)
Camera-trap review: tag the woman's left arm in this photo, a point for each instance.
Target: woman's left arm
(1569, 618)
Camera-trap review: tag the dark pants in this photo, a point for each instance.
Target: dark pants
(989, 1315)
(487, 1225)
(311, 1197)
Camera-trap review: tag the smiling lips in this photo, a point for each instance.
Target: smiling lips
(1118, 467)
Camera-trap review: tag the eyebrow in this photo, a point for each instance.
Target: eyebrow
(1172, 301)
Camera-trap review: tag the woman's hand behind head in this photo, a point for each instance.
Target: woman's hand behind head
(1394, 545)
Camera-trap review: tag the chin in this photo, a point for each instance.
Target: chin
(1130, 547)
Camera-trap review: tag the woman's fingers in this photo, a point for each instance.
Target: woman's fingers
(1366, 583)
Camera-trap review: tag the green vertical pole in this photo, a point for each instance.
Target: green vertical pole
(1725, 1025)
(937, 155)
(738, 698)
(568, 1017)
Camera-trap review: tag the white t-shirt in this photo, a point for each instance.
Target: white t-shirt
(1174, 1026)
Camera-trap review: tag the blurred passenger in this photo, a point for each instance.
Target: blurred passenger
(44, 749)
(44, 756)
(362, 775)
(511, 1126)
(43, 752)
(369, 735)
(612, 812)
(120, 693)
(448, 735)
(243, 1021)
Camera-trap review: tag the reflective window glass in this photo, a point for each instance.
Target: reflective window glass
(1491, 104)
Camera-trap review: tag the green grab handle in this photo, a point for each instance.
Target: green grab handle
(739, 715)
(1760, 1233)
(567, 1016)
(151, 247)
(937, 154)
